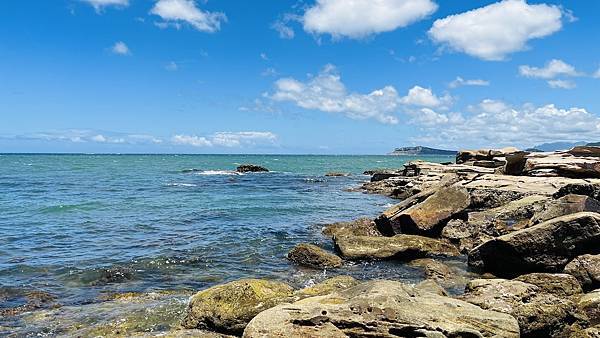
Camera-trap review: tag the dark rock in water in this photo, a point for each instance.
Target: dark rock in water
(545, 247)
(404, 247)
(337, 174)
(229, 307)
(586, 269)
(15, 301)
(251, 168)
(427, 217)
(359, 227)
(566, 205)
(384, 175)
(191, 170)
(314, 257)
(116, 274)
(539, 314)
(383, 309)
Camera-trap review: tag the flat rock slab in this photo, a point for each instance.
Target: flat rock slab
(546, 247)
(381, 309)
(397, 247)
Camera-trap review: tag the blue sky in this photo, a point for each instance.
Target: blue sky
(278, 76)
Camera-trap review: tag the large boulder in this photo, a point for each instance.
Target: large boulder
(404, 247)
(561, 164)
(381, 309)
(314, 257)
(559, 284)
(586, 268)
(465, 156)
(539, 314)
(251, 168)
(565, 205)
(227, 308)
(428, 217)
(545, 247)
(359, 227)
(590, 304)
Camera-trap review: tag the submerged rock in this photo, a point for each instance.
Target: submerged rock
(359, 227)
(397, 247)
(381, 309)
(545, 247)
(586, 268)
(312, 256)
(336, 174)
(246, 168)
(15, 301)
(229, 307)
(539, 314)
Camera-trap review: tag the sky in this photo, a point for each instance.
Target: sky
(296, 77)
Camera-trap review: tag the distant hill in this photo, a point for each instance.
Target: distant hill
(419, 150)
(554, 146)
(593, 144)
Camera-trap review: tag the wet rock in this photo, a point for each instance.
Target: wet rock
(15, 301)
(545, 247)
(565, 205)
(381, 309)
(116, 274)
(227, 308)
(380, 175)
(191, 170)
(560, 285)
(590, 304)
(183, 333)
(312, 256)
(433, 269)
(586, 268)
(431, 286)
(326, 287)
(247, 168)
(359, 227)
(396, 247)
(337, 174)
(539, 314)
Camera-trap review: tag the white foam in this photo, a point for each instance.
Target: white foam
(219, 172)
(181, 185)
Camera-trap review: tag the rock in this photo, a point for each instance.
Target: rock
(425, 213)
(482, 226)
(326, 287)
(586, 269)
(433, 269)
(539, 314)
(431, 286)
(116, 274)
(483, 154)
(182, 334)
(560, 285)
(312, 256)
(545, 247)
(336, 174)
(562, 164)
(359, 227)
(396, 247)
(565, 205)
(15, 301)
(251, 168)
(590, 304)
(380, 175)
(592, 332)
(381, 309)
(524, 185)
(587, 189)
(586, 151)
(227, 308)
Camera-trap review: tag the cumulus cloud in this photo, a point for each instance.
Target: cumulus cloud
(424, 97)
(120, 48)
(173, 12)
(562, 84)
(361, 18)
(326, 92)
(99, 5)
(497, 30)
(459, 82)
(552, 69)
(498, 123)
(226, 139)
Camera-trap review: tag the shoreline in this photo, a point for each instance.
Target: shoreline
(490, 201)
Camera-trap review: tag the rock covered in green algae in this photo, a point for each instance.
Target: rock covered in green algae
(381, 309)
(312, 256)
(398, 247)
(229, 307)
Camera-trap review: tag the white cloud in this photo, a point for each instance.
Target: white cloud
(459, 82)
(99, 5)
(494, 31)
(175, 11)
(562, 84)
(497, 123)
(361, 18)
(552, 69)
(264, 56)
(597, 74)
(120, 48)
(325, 92)
(92, 136)
(226, 139)
(282, 27)
(424, 97)
(172, 66)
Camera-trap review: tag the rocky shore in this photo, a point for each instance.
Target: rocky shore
(527, 223)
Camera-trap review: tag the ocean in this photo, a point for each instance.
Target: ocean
(76, 226)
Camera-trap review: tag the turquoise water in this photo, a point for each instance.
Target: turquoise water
(65, 218)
